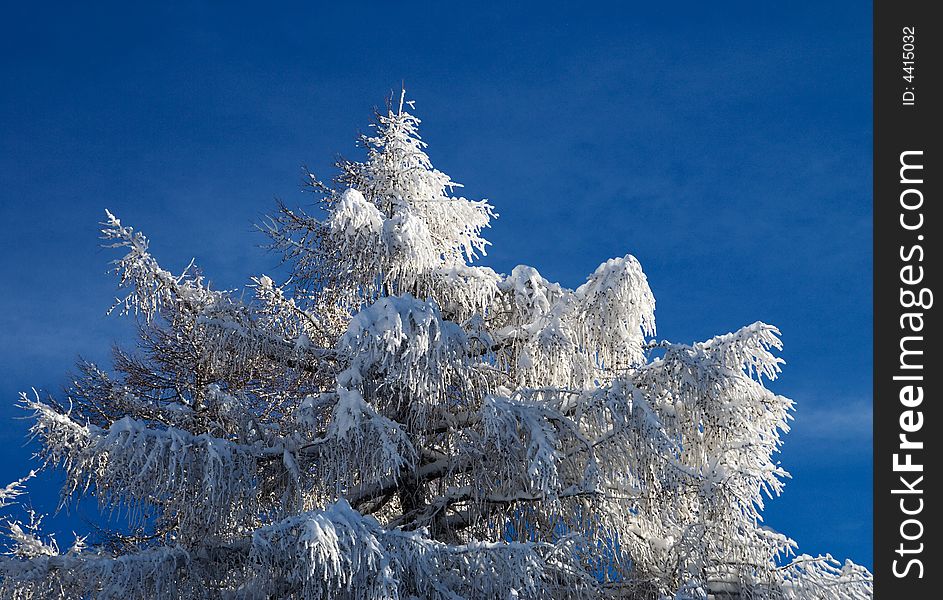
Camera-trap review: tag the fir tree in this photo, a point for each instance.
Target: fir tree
(398, 422)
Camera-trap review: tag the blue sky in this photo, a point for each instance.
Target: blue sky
(727, 146)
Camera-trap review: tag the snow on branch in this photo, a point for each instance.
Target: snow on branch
(324, 554)
(151, 287)
(226, 331)
(405, 348)
(824, 578)
(749, 349)
(536, 344)
(337, 553)
(614, 311)
(556, 336)
(362, 446)
(12, 490)
(527, 436)
(395, 229)
(398, 173)
(464, 291)
(160, 572)
(198, 481)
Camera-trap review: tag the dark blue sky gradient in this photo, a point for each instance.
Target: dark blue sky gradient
(727, 147)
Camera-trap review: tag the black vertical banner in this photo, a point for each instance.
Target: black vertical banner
(908, 370)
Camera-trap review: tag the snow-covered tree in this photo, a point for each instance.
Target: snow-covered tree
(398, 422)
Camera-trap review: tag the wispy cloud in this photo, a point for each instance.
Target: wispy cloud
(838, 420)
